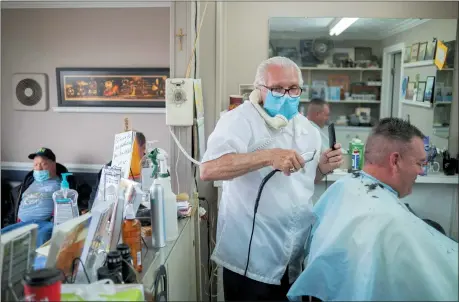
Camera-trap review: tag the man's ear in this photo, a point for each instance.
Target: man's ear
(394, 160)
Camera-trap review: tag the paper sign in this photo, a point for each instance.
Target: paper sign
(122, 152)
(108, 185)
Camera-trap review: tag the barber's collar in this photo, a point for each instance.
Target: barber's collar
(387, 187)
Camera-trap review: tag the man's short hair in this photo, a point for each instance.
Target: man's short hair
(389, 135)
(141, 140)
(316, 105)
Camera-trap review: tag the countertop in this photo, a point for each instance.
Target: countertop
(433, 178)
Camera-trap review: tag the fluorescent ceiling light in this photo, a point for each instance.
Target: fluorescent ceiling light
(342, 25)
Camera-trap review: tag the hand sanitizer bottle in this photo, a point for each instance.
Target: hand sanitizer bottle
(65, 202)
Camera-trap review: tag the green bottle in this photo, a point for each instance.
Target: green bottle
(356, 145)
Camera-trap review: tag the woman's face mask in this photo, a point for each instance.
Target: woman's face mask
(40, 175)
(285, 105)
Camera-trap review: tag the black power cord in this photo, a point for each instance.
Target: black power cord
(255, 209)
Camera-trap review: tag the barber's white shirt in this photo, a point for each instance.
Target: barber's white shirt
(284, 218)
(324, 136)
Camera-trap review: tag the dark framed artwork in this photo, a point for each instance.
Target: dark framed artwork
(430, 52)
(422, 51)
(111, 87)
(430, 88)
(420, 91)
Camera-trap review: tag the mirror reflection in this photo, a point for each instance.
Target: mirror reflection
(342, 61)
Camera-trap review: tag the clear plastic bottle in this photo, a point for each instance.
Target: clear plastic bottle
(65, 202)
(131, 231)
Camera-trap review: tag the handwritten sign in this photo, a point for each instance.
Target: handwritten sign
(122, 152)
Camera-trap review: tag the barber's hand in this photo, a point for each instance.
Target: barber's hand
(287, 161)
(330, 159)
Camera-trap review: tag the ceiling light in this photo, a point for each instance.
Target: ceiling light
(342, 25)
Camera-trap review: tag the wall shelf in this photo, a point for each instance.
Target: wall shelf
(346, 101)
(341, 68)
(419, 64)
(419, 104)
(120, 110)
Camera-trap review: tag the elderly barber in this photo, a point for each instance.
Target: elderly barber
(248, 142)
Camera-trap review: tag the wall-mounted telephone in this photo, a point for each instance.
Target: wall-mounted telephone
(179, 102)
(277, 122)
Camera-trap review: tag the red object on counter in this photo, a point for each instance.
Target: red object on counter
(43, 285)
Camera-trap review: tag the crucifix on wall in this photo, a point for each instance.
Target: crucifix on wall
(180, 36)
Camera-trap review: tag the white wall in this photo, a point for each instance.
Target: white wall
(39, 40)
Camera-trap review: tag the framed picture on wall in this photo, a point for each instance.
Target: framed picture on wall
(410, 91)
(420, 91)
(414, 52)
(430, 88)
(407, 57)
(430, 52)
(422, 51)
(406, 79)
(111, 87)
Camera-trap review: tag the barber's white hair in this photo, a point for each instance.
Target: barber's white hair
(279, 61)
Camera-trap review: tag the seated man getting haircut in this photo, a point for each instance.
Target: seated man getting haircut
(365, 244)
(37, 205)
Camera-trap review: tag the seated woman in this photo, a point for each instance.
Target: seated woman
(37, 204)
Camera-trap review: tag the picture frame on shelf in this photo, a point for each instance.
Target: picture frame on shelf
(362, 53)
(407, 57)
(440, 55)
(112, 87)
(422, 51)
(429, 90)
(410, 91)
(431, 48)
(414, 52)
(406, 79)
(420, 91)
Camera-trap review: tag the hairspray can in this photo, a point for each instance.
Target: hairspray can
(158, 215)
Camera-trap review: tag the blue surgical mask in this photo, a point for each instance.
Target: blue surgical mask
(40, 175)
(285, 105)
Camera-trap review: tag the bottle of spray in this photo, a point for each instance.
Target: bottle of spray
(131, 230)
(170, 199)
(158, 215)
(63, 197)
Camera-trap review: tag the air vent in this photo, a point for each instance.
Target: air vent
(30, 92)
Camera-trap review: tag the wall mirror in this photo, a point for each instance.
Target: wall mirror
(342, 60)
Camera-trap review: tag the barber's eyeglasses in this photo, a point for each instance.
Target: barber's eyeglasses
(294, 92)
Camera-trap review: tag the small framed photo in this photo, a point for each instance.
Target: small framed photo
(406, 79)
(430, 52)
(420, 91)
(414, 52)
(430, 86)
(407, 56)
(422, 51)
(410, 91)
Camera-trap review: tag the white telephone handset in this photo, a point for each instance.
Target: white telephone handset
(277, 122)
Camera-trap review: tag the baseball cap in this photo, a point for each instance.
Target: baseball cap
(45, 152)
